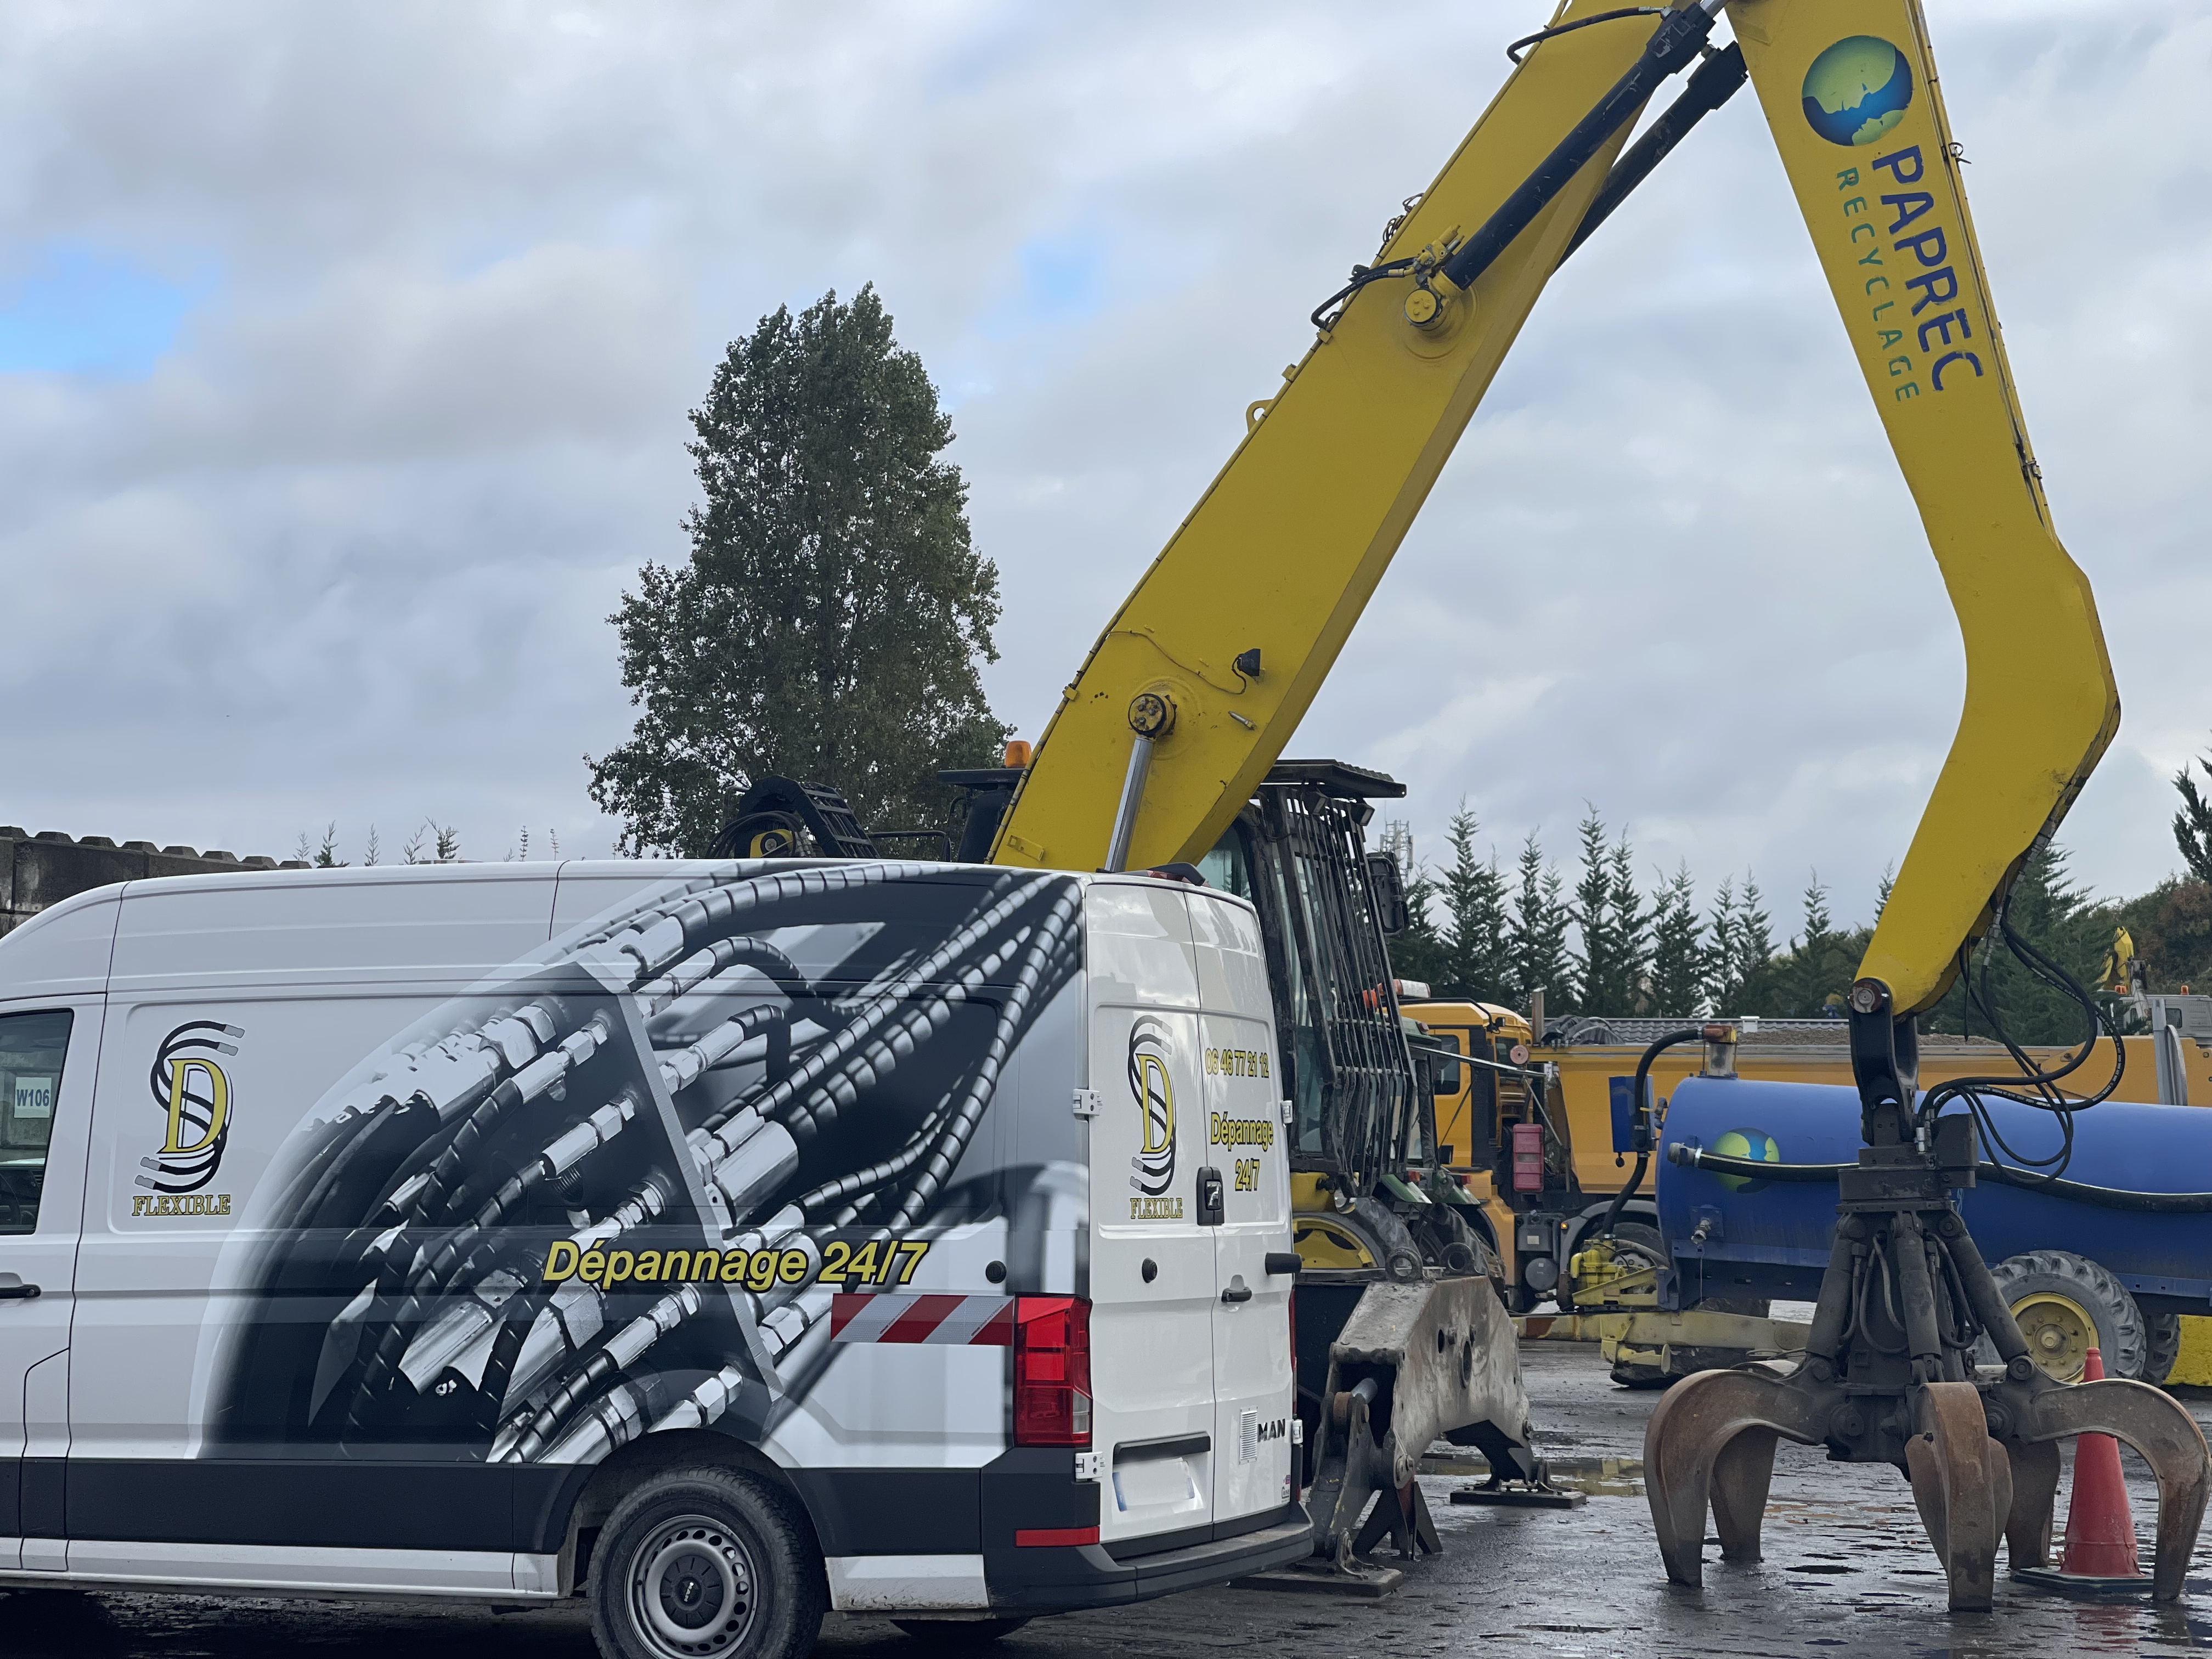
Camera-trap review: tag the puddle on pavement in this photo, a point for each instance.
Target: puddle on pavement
(1598, 1477)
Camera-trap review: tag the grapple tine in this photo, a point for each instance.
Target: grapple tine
(2034, 1494)
(1710, 1443)
(1962, 1484)
(2162, 1431)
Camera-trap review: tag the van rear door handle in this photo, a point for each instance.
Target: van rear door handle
(25, 1292)
(1237, 1293)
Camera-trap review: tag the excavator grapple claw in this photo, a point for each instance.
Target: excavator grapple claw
(1710, 1445)
(2159, 1427)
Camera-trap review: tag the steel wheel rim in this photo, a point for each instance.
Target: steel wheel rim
(691, 1588)
(2060, 1333)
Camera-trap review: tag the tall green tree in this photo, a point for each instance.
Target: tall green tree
(1678, 957)
(1615, 955)
(1738, 943)
(830, 622)
(2063, 921)
(1539, 930)
(1811, 978)
(1419, 951)
(1479, 949)
(2193, 824)
(1631, 933)
(1593, 908)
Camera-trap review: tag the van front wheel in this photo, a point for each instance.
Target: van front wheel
(706, 1563)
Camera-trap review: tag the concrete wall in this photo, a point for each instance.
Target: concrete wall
(36, 870)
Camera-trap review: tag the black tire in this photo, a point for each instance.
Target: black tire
(707, 1562)
(2040, 1286)
(1643, 1239)
(958, 1634)
(2163, 1333)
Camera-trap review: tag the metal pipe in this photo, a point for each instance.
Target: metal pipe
(1132, 796)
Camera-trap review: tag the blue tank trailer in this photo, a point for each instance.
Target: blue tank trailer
(2130, 1271)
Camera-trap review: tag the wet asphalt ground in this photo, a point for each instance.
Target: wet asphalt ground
(1848, 1572)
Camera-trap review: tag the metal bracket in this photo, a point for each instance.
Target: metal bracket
(1090, 1465)
(1087, 1102)
(1289, 1110)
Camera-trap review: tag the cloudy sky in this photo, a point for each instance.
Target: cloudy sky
(345, 350)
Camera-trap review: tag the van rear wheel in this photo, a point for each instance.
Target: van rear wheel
(706, 1563)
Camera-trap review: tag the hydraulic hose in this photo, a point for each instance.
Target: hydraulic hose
(2079, 1192)
(1673, 46)
(1688, 1034)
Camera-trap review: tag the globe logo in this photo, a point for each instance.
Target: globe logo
(1756, 1145)
(1857, 90)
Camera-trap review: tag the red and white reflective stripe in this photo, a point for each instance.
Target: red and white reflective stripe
(893, 1316)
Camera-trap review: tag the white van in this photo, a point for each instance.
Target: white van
(724, 1242)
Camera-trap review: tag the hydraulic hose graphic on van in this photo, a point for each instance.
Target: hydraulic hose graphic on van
(597, 1198)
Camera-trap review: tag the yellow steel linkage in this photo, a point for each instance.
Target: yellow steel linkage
(1287, 545)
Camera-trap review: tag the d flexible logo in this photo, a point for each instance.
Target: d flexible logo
(193, 1092)
(1856, 90)
(1152, 1090)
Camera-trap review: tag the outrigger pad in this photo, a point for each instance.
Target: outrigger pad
(1499, 1494)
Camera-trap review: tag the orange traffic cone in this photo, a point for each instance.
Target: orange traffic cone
(2101, 1539)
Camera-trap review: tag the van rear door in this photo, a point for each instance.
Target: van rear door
(1244, 1137)
(1154, 1285)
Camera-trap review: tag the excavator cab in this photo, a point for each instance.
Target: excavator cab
(1360, 1076)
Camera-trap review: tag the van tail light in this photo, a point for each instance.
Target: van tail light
(1052, 1370)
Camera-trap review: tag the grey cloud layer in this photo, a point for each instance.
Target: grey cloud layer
(347, 550)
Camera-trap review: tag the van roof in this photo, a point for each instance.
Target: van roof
(406, 923)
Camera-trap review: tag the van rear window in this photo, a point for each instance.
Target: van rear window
(32, 1047)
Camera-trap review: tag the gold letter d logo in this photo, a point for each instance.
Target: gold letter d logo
(181, 1098)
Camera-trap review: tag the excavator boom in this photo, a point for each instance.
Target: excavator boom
(1232, 629)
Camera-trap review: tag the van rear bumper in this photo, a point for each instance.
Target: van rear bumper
(1062, 1579)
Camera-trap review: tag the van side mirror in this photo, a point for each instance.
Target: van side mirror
(1387, 883)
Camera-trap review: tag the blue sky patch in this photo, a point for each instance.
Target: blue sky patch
(74, 310)
(1062, 278)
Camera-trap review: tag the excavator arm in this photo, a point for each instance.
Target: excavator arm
(1201, 678)
(1281, 554)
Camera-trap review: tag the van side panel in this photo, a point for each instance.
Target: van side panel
(378, 1257)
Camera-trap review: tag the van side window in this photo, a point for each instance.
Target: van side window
(31, 1050)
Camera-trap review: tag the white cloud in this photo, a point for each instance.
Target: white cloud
(347, 550)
